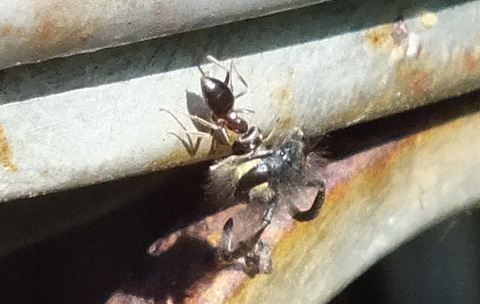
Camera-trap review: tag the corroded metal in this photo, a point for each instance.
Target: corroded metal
(376, 200)
(38, 30)
(92, 118)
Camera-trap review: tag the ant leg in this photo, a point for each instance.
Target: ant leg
(187, 144)
(219, 132)
(244, 111)
(200, 120)
(243, 81)
(216, 62)
(228, 80)
(310, 214)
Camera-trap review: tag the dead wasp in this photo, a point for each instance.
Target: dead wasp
(265, 179)
(265, 176)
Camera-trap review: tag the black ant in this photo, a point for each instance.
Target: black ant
(219, 97)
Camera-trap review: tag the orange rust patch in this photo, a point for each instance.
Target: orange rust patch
(285, 123)
(368, 171)
(283, 94)
(5, 152)
(5, 31)
(379, 35)
(48, 29)
(52, 29)
(374, 179)
(471, 61)
(58, 28)
(416, 79)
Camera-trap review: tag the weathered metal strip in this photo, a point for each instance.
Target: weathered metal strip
(92, 118)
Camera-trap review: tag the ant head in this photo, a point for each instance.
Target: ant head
(217, 95)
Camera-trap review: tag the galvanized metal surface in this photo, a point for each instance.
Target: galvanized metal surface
(95, 117)
(376, 200)
(36, 30)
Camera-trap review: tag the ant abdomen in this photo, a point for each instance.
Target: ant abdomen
(217, 95)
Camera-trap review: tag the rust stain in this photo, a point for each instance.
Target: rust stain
(285, 123)
(415, 79)
(374, 176)
(5, 31)
(58, 27)
(355, 188)
(379, 35)
(55, 27)
(6, 152)
(170, 160)
(471, 61)
(49, 28)
(282, 94)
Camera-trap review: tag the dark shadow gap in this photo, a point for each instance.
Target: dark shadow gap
(354, 139)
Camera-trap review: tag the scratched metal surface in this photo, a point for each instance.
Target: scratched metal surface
(38, 30)
(94, 117)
